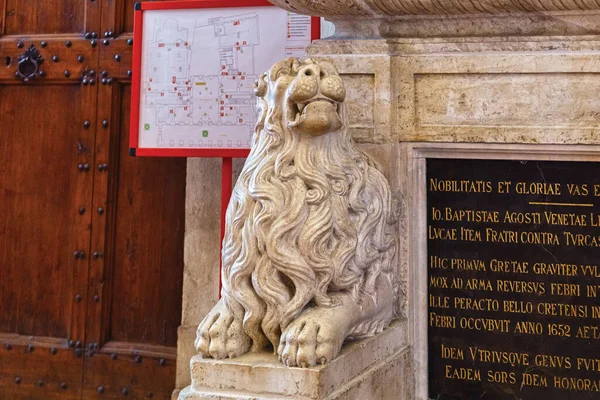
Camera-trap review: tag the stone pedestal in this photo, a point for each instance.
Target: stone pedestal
(370, 369)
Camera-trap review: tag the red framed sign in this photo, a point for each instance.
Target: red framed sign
(194, 67)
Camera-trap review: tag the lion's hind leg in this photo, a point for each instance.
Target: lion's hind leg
(221, 333)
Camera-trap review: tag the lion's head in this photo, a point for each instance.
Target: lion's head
(310, 94)
(308, 213)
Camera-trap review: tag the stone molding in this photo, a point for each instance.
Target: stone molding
(395, 8)
(363, 19)
(464, 91)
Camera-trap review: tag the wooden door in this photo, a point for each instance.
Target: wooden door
(91, 239)
(46, 182)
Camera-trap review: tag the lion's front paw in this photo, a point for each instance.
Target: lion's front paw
(221, 335)
(307, 342)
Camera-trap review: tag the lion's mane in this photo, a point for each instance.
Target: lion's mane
(307, 217)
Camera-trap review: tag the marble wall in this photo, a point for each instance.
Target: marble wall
(516, 98)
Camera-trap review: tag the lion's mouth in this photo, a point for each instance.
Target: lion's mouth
(319, 105)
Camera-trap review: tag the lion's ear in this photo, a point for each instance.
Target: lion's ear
(260, 86)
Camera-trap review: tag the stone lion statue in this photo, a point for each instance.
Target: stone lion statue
(306, 254)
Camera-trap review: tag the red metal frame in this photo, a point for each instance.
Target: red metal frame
(178, 152)
(179, 5)
(226, 189)
(315, 28)
(137, 66)
(136, 84)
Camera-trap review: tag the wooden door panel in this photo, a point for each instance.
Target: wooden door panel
(46, 154)
(44, 201)
(118, 16)
(107, 320)
(128, 16)
(44, 17)
(40, 375)
(148, 261)
(139, 377)
(78, 59)
(42, 191)
(133, 329)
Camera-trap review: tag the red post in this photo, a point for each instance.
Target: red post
(226, 188)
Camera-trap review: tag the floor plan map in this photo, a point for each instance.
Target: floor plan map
(199, 68)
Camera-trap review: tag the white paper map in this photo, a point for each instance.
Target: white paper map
(199, 68)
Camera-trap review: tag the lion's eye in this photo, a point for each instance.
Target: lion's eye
(328, 69)
(283, 71)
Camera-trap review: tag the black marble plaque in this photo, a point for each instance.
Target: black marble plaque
(513, 260)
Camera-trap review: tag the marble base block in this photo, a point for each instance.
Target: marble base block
(370, 369)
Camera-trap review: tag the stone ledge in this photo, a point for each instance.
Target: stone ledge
(452, 18)
(387, 8)
(261, 376)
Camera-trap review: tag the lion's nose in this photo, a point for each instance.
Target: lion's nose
(306, 85)
(311, 70)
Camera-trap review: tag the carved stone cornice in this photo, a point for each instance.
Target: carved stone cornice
(396, 8)
(453, 18)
